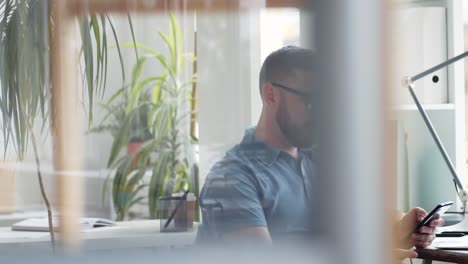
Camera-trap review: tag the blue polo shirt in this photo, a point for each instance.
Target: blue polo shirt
(258, 185)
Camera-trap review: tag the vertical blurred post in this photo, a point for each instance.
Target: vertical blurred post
(355, 194)
(66, 124)
(7, 187)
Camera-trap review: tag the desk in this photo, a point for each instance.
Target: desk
(455, 256)
(430, 254)
(125, 235)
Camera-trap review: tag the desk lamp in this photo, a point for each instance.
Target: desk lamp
(409, 82)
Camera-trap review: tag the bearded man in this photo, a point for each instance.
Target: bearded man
(262, 190)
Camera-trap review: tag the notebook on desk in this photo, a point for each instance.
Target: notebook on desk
(452, 243)
(42, 224)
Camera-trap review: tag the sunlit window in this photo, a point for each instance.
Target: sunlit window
(278, 28)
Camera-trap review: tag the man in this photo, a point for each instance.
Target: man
(262, 189)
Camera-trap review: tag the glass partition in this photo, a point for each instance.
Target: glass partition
(150, 129)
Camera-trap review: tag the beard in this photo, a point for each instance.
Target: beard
(298, 135)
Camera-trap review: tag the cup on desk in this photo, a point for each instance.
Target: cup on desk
(177, 213)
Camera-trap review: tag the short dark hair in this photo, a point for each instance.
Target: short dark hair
(282, 63)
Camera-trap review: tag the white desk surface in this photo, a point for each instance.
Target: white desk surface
(9, 219)
(132, 233)
(462, 226)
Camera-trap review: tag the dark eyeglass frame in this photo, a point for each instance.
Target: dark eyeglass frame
(304, 96)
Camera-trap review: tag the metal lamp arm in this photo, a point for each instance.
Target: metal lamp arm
(462, 193)
(438, 67)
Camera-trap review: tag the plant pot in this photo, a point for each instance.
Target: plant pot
(132, 147)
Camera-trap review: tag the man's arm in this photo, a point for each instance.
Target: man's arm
(238, 215)
(254, 234)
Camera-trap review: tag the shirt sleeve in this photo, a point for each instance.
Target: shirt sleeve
(230, 198)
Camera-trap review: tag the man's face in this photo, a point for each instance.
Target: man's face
(294, 116)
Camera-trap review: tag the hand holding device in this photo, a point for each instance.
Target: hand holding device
(438, 211)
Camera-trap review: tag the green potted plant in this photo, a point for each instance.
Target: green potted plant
(139, 128)
(167, 153)
(174, 168)
(129, 131)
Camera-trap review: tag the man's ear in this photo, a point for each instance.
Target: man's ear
(269, 94)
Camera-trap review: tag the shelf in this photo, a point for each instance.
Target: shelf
(428, 107)
(398, 111)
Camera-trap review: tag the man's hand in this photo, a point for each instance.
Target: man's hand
(420, 238)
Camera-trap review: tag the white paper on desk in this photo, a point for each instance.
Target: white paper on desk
(42, 224)
(451, 242)
(102, 229)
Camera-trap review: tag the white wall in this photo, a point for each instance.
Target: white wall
(435, 33)
(229, 63)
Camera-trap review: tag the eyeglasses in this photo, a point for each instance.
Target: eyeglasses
(305, 96)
